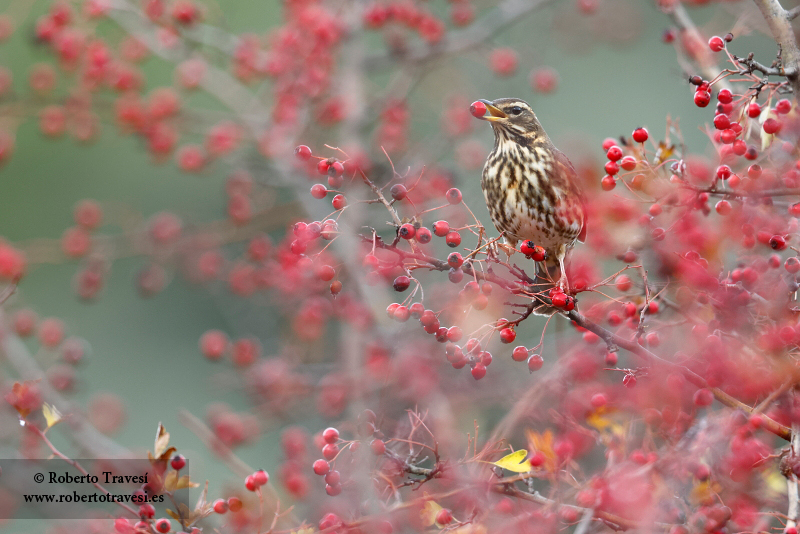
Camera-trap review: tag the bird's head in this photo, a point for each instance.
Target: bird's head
(512, 119)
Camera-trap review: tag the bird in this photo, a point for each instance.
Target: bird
(532, 190)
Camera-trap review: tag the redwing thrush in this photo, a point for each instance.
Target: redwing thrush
(531, 188)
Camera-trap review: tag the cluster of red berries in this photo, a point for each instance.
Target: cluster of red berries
(533, 251)
(617, 160)
(331, 450)
(322, 467)
(254, 481)
(408, 14)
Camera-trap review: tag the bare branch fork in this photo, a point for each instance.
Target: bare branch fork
(779, 22)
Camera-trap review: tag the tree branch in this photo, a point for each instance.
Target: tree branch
(778, 20)
(507, 13)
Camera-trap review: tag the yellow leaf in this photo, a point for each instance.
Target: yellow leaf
(705, 492)
(428, 513)
(543, 443)
(664, 152)
(162, 441)
(308, 530)
(51, 415)
(775, 481)
(172, 482)
(607, 421)
(516, 461)
(174, 516)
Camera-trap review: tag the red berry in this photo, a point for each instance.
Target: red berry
(444, 516)
(519, 354)
(250, 483)
(454, 334)
(329, 451)
(614, 153)
(722, 122)
(398, 191)
(703, 397)
(303, 153)
(507, 335)
(754, 171)
(598, 400)
(628, 163)
(319, 191)
(407, 231)
(401, 283)
(378, 447)
(611, 167)
(220, 506)
(527, 247)
(321, 467)
(478, 109)
(777, 242)
(716, 43)
(178, 462)
(727, 136)
(333, 491)
(453, 239)
(723, 172)
(535, 362)
(453, 196)
(339, 202)
(640, 135)
(608, 182)
(455, 260)
(260, 477)
(702, 98)
(163, 526)
(234, 504)
(479, 371)
(336, 169)
(629, 380)
(753, 110)
(333, 478)
(441, 228)
(330, 435)
(322, 166)
(723, 207)
(214, 344)
(792, 264)
(423, 235)
(538, 253)
(772, 126)
(623, 282)
(783, 106)
(559, 300)
(725, 96)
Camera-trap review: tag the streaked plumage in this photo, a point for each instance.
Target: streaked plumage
(531, 188)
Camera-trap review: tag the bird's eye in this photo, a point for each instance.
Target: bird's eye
(516, 110)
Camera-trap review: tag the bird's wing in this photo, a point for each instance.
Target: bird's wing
(570, 183)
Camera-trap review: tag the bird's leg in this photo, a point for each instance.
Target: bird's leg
(562, 281)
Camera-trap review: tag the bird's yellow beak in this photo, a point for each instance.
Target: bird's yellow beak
(495, 113)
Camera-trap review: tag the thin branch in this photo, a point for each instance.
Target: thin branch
(779, 24)
(504, 15)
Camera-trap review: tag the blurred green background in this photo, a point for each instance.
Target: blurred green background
(145, 350)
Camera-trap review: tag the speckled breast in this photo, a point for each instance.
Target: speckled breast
(526, 201)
